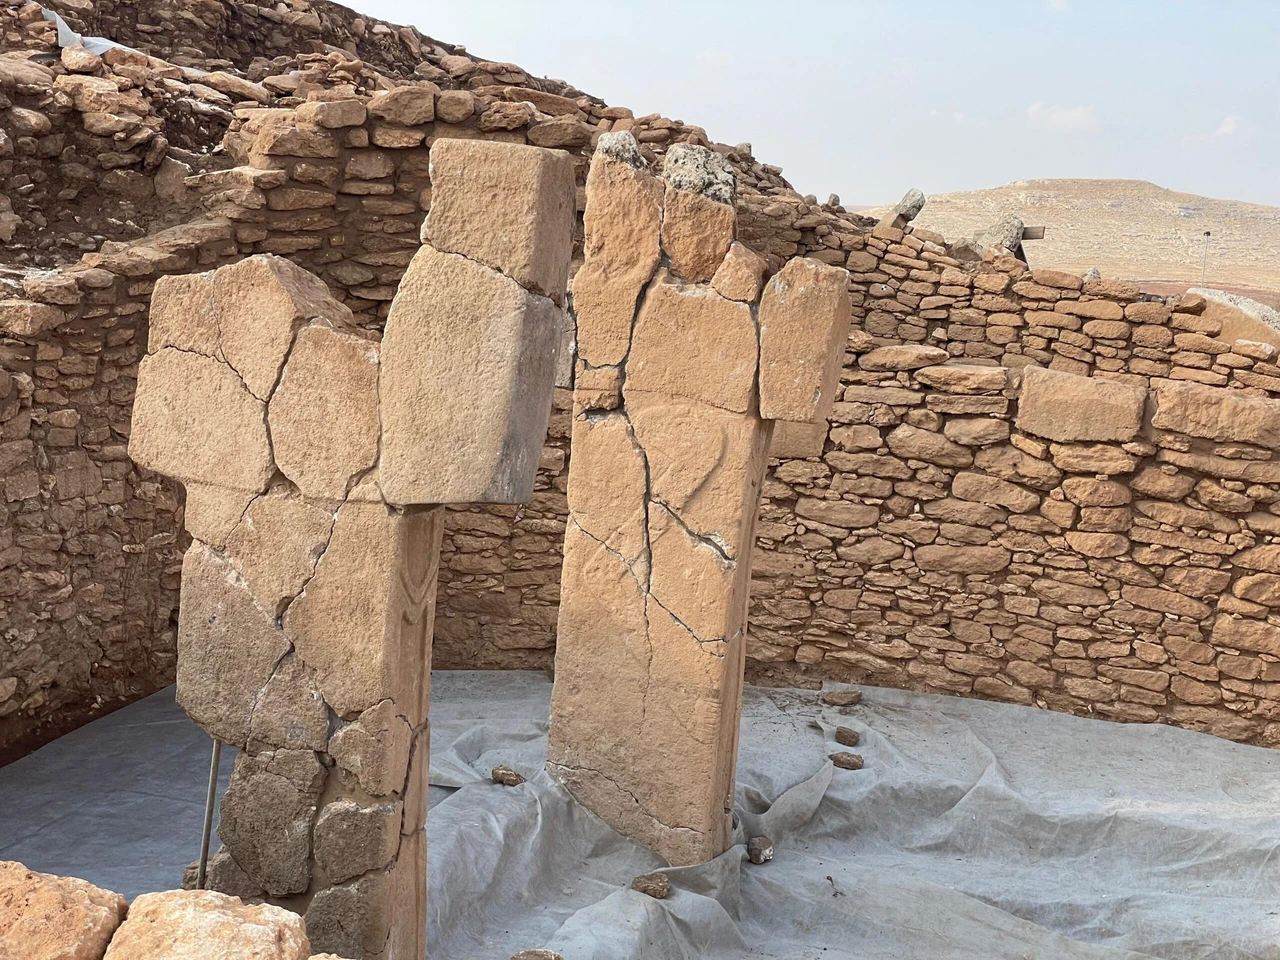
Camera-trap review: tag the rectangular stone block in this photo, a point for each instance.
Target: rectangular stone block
(468, 372)
(506, 205)
(1066, 407)
(1217, 414)
(804, 322)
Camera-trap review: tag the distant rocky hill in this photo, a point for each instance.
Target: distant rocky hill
(1129, 229)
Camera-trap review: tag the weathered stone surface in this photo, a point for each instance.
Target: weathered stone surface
(43, 917)
(1256, 636)
(962, 559)
(228, 646)
(259, 303)
(332, 113)
(378, 914)
(188, 924)
(1093, 458)
(696, 233)
(902, 357)
(804, 323)
(1261, 588)
(275, 545)
(1065, 407)
(610, 481)
(510, 207)
(1162, 482)
(991, 490)
(212, 512)
(740, 275)
(182, 315)
(621, 248)
(1017, 466)
(976, 431)
(691, 342)
(290, 713)
(703, 463)
(837, 513)
(912, 443)
(468, 370)
(963, 378)
(1216, 414)
(194, 419)
(352, 839)
(1098, 544)
(410, 105)
(266, 817)
(656, 885)
(324, 413)
(364, 620)
(25, 318)
(374, 749)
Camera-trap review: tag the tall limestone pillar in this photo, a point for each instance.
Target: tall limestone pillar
(317, 457)
(685, 358)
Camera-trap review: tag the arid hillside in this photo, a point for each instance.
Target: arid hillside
(1128, 229)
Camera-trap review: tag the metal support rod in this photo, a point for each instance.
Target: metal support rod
(1204, 264)
(208, 814)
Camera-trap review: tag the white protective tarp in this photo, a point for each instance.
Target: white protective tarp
(976, 830)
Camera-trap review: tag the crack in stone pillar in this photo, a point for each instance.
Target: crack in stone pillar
(686, 357)
(318, 459)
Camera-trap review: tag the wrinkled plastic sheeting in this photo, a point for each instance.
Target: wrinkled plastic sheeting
(69, 38)
(975, 830)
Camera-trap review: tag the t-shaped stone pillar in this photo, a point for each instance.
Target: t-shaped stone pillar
(682, 368)
(316, 457)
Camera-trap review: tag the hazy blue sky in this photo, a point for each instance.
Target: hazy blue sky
(866, 99)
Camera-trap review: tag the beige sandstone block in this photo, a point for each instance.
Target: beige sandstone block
(962, 559)
(43, 917)
(963, 378)
(804, 323)
(410, 105)
(691, 342)
(259, 303)
(194, 419)
(199, 924)
(364, 621)
(1256, 636)
(212, 512)
(607, 488)
(228, 646)
(692, 579)
(1216, 414)
(290, 713)
(991, 490)
(374, 749)
(276, 544)
(324, 414)
(798, 440)
(696, 233)
(266, 817)
(468, 371)
(182, 315)
(378, 916)
(740, 275)
(621, 248)
(704, 464)
(508, 206)
(644, 750)
(1066, 407)
(902, 357)
(354, 838)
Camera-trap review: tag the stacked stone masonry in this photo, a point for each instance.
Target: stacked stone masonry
(327, 162)
(45, 917)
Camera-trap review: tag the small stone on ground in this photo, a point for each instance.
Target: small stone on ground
(847, 736)
(656, 885)
(841, 698)
(846, 761)
(759, 849)
(506, 776)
